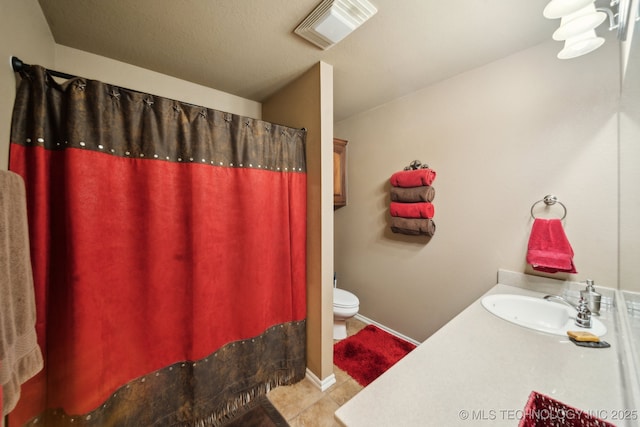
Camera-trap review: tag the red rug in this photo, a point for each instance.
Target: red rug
(369, 353)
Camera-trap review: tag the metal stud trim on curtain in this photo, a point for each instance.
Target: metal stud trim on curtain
(134, 152)
(218, 398)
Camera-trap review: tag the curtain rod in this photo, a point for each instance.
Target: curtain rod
(18, 66)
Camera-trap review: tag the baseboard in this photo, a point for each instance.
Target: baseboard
(321, 384)
(384, 328)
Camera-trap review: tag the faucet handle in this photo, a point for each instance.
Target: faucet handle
(583, 318)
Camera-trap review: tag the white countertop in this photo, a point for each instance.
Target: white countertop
(479, 370)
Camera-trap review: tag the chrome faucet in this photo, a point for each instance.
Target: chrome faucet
(583, 319)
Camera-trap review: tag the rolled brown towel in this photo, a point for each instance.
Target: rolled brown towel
(424, 193)
(413, 226)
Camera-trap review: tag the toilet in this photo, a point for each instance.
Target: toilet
(345, 306)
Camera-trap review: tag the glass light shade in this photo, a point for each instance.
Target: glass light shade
(559, 8)
(579, 22)
(580, 45)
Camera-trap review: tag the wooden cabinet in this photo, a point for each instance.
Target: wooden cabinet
(339, 172)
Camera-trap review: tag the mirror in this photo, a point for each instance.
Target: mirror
(629, 164)
(629, 193)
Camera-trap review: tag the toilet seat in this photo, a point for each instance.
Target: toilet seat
(344, 299)
(345, 306)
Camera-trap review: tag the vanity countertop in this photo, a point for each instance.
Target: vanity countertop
(479, 369)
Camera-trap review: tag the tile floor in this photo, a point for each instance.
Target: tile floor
(304, 405)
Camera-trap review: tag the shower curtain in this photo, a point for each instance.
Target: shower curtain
(168, 251)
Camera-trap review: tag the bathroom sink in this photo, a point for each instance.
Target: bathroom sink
(538, 314)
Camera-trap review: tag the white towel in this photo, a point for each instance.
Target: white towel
(20, 356)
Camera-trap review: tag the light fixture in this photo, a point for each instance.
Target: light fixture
(579, 18)
(559, 8)
(578, 22)
(333, 20)
(580, 44)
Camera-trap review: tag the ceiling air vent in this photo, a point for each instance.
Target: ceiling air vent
(333, 20)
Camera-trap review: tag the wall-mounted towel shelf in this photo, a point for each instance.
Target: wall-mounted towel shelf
(411, 195)
(549, 200)
(416, 164)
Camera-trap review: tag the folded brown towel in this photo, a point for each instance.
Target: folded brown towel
(20, 356)
(424, 193)
(413, 226)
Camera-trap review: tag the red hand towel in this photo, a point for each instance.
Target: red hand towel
(412, 210)
(548, 248)
(413, 178)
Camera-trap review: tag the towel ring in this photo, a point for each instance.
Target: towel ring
(549, 200)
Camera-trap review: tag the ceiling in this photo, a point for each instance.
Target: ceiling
(248, 48)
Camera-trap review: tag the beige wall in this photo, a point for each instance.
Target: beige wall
(308, 102)
(107, 70)
(500, 138)
(24, 33)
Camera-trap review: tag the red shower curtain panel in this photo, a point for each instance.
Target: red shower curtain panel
(165, 238)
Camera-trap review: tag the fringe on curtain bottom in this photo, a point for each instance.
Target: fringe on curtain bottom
(206, 393)
(240, 405)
